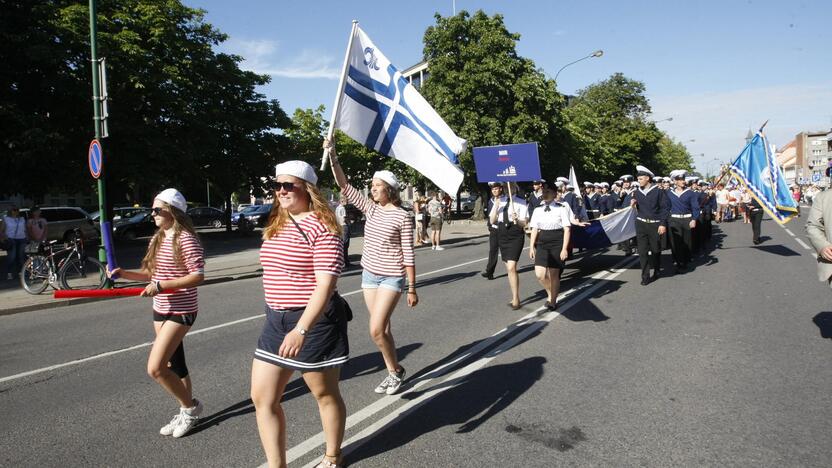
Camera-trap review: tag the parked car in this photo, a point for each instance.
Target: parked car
(207, 216)
(235, 215)
(63, 220)
(467, 204)
(121, 213)
(140, 225)
(256, 216)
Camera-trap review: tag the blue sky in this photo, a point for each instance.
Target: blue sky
(716, 67)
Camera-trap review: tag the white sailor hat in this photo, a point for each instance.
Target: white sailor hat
(588, 184)
(657, 179)
(558, 183)
(626, 178)
(539, 181)
(569, 187)
(678, 174)
(563, 179)
(665, 179)
(300, 169)
(618, 182)
(643, 171)
(605, 185)
(388, 177)
(495, 184)
(597, 185)
(174, 198)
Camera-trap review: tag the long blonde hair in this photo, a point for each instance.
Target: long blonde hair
(318, 205)
(181, 223)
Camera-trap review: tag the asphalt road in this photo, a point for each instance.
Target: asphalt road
(727, 365)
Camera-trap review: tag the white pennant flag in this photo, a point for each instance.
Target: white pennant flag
(379, 109)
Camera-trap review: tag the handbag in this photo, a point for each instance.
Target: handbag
(340, 305)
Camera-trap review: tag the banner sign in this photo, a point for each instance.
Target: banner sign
(507, 163)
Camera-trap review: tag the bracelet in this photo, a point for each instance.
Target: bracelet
(158, 286)
(411, 291)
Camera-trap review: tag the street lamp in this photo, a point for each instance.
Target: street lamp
(596, 54)
(207, 185)
(669, 119)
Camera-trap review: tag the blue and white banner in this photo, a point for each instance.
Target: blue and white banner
(381, 110)
(507, 163)
(608, 230)
(756, 167)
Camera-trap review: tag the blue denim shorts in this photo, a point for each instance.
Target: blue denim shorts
(373, 281)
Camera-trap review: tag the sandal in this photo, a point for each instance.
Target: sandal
(328, 464)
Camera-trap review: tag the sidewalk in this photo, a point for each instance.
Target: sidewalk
(229, 257)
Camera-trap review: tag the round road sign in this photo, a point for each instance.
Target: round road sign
(95, 157)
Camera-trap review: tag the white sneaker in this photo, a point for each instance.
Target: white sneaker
(187, 419)
(439, 247)
(395, 382)
(382, 387)
(167, 429)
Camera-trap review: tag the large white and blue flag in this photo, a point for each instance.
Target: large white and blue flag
(756, 167)
(605, 231)
(384, 112)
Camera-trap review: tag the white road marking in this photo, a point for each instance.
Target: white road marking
(802, 244)
(584, 289)
(191, 333)
(790, 233)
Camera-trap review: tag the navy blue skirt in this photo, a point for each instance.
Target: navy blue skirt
(326, 344)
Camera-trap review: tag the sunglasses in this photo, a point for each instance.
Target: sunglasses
(287, 186)
(157, 211)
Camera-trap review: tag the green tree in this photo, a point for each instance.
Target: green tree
(180, 113)
(489, 94)
(673, 155)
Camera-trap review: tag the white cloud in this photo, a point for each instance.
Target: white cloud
(720, 121)
(262, 56)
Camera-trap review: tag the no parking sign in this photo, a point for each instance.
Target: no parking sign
(95, 158)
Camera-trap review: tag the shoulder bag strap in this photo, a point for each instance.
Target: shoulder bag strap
(300, 230)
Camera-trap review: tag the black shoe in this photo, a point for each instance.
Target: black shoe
(514, 307)
(487, 275)
(756, 241)
(550, 306)
(654, 277)
(645, 281)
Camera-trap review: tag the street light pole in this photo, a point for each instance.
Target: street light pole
(96, 106)
(597, 53)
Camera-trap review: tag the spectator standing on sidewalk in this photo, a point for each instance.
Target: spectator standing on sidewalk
(14, 236)
(36, 226)
(174, 263)
(447, 201)
(821, 238)
(419, 210)
(341, 215)
(387, 259)
(436, 210)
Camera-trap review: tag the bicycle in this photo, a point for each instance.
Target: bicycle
(74, 271)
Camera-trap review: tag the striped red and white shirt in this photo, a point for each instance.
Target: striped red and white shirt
(388, 236)
(290, 263)
(183, 301)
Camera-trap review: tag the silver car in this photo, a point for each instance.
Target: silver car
(63, 220)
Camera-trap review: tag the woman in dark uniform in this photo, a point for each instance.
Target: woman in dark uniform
(550, 237)
(510, 216)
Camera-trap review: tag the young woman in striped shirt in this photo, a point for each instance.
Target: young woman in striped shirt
(173, 262)
(305, 329)
(386, 258)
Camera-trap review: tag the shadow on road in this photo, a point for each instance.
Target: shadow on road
(779, 249)
(468, 402)
(824, 322)
(355, 367)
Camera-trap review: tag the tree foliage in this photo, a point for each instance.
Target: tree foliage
(180, 113)
(485, 91)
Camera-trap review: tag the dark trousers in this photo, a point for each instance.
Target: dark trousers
(345, 239)
(14, 258)
(681, 240)
(756, 220)
(649, 248)
(493, 248)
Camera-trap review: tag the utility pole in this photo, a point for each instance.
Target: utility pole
(97, 122)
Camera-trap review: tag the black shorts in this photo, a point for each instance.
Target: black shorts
(183, 319)
(547, 249)
(326, 344)
(511, 240)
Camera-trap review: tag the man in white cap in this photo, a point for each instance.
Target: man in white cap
(652, 209)
(536, 196)
(684, 211)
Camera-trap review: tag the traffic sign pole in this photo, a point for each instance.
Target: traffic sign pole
(96, 106)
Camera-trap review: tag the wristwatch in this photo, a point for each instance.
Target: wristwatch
(301, 330)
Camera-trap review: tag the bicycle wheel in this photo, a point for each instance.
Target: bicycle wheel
(34, 276)
(83, 273)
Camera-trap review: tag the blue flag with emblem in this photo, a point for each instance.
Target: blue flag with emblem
(757, 169)
(377, 107)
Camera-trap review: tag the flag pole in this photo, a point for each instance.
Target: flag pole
(341, 83)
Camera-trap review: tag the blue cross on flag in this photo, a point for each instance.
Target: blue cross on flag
(384, 112)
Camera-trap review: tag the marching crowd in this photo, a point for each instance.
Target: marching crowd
(303, 255)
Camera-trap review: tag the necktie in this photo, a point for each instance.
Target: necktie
(505, 213)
